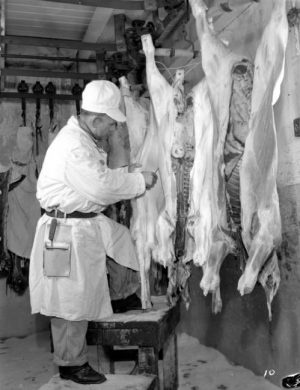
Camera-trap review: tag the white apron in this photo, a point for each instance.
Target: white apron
(74, 176)
(84, 295)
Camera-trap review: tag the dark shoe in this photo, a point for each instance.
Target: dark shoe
(132, 302)
(84, 374)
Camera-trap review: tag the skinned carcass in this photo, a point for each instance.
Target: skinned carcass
(212, 232)
(207, 243)
(174, 118)
(160, 136)
(212, 235)
(245, 154)
(144, 150)
(261, 221)
(161, 94)
(174, 134)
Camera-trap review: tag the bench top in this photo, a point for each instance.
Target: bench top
(159, 312)
(137, 327)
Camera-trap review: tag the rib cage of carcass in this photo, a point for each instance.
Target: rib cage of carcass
(234, 200)
(161, 139)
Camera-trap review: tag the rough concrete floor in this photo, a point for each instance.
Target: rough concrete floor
(26, 364)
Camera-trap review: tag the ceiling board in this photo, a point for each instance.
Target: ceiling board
(95, 28)
(43, 33)
(28, 15)
(38, 6)
(45, 24)
(47, 19)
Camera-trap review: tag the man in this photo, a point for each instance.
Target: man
(68, 274)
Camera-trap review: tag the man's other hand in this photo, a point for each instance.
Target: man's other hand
(135, 167)
(150, 179)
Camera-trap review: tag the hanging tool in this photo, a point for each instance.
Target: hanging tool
(76, 91)
(23, 88)
(51, 91)
(38, 89)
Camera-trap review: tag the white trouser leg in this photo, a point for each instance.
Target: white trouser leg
(69, 342)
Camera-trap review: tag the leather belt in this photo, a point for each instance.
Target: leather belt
(74, 214)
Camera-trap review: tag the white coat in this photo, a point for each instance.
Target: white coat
(75, 177)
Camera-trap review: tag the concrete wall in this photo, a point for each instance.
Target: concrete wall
(242, 330)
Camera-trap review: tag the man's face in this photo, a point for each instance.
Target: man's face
(102, 126)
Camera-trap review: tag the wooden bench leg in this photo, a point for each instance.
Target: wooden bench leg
(105, 362)
(170, 363)
(148, 362)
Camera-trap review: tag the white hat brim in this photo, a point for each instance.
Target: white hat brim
(116, 114)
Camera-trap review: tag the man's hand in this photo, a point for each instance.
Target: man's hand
(150, 179)
(135, 167)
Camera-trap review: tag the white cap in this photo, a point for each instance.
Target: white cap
(103, 97)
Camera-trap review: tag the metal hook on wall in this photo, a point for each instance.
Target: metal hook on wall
(51, 91)
(76, 91)
(38, 89)
(23, 88)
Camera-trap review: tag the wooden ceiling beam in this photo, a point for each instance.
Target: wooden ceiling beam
(95, 28)
(58, 43)
(138, 5)
(171, 21)
(115, 4)
(97, 25)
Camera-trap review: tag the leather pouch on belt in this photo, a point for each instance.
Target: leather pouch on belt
(57, 249)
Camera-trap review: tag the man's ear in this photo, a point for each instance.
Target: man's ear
(96, 120)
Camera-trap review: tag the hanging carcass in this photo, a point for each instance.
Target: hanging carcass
(244, 157)
(207, 221)
(261, 223)
(144, 151)
(165, 113)
(158, 140)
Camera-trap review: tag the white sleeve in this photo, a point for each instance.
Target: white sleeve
(89, 175)
(122, 169)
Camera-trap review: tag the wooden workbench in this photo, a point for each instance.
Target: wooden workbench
(152, 332)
